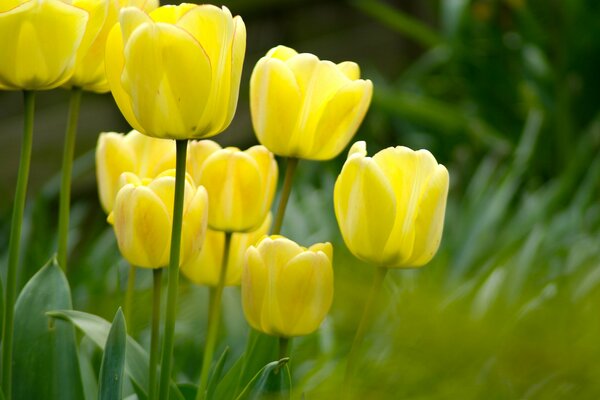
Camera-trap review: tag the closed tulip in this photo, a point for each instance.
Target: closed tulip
(143, 214)
(40, 40)
(175, 73)
(90, 73)
(240, 184)
(390, 208)
(287, 289)
(141, 155)
(303, 107)
(205, 269)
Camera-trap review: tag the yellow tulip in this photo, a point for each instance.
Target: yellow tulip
(390, 208)
(205, 269)
(287, 289)
(143, 216)
(175, 73)
(39, 42)
(90, 73)
(303, 107)
(240, 184)
(141, 155)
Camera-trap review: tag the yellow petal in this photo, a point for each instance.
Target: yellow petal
(198, 152)
(112, 159)
(340, 119)
(240, 242)
(195, 217)
(325, 248)
(205, 267)
(142, 225)
(171, 14)
(365, 208)
(350, 69)
(255, 283)
(429, 223)
(44, 37)
(275, 103)
(268, 171)
(153, 155)
(282, 53)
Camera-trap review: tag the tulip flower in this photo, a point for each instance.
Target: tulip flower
(206, 267)
(303, 107)
(175, 73)
(40, 40)
(90, 73)
(240, 184)
(287, 289)
(142, 218)
(390, 208)
(141, 155)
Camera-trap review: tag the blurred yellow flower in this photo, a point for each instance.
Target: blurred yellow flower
(303, 107)
(206, 267)
(141, 155)
(143, 214)
(90, 73)
(175, 73)
(240, 184)
(287, 289)
(390, 208)
(39, 42)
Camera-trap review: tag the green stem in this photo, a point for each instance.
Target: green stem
(129, 297)
(65, 182)
(14, 243)
(214, 317)
(292, 163)
(157, 275)
(363, 325)
(284, 344)
(173, 285)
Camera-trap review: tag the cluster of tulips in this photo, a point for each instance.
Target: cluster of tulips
(179, 201)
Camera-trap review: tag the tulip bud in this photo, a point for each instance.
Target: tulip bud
(143, 216)
(90, 73)
(303, 107)
(390, 208)
(176, 72)
(287, 289)
(141, 155)
(240, 184)
(205, 269)
(40, 39)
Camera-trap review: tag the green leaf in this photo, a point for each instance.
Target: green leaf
(113, 360)
(272, 381)
(217, 373)
(45, 363)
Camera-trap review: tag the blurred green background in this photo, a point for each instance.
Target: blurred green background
(505, 93)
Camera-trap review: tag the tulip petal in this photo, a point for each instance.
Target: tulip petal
(275, 100)
(268, 172)
(408, 171)
(153, 155)
(44, 37)
(205, 267)
(350, 69)
(365, 207)
(340, 119)
(282, 53)
(198, 152)
(429, 223)
(195, 217)
(240, 242)
(255, 282)
(170, 14)
(168, 96)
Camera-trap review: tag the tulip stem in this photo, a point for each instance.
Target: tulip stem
(129, 296)
(173, 285)
(214, 319)
(157, 277)
(14, 243)
(292, 163)
(284, 344)
(65, 182)
(362, 326)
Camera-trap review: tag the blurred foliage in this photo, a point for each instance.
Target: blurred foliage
(503, 92)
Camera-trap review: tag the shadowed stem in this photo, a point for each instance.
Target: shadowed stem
(362, 326)
(173, 285)
(14, 243)
(157, 276)
(214, 317)
(284, 345)
(65, 182)
(292, 163)
(129, 296)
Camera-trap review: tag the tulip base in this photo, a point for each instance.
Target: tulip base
(173, 285)
(292, 163)
(15, 242)
(214, 319)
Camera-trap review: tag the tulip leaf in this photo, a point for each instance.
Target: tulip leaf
(217, 373)
(113, 361)
(136, 358)
(272, 381)
(45, 359)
